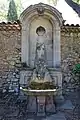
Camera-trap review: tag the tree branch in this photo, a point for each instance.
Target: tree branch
(75, 6)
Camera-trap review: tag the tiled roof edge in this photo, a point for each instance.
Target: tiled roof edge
(16, 25)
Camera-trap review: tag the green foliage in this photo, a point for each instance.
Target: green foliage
(19, 7)
(53, 2)
(76, 73)
(12, 12)
(3, 10)
(76, 1)
(76, 69)
(3, 16)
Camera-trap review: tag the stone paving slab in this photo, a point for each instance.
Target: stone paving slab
(67, 105)
(58, 116)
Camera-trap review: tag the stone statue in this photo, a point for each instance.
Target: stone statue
(40, 72)
(40, 46)
(40, 53)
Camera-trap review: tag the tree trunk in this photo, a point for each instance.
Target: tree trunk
(75, 6)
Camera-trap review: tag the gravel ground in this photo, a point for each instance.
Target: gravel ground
(10, 109)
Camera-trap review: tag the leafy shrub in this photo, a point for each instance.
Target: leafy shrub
(76, 72)
(76, 69)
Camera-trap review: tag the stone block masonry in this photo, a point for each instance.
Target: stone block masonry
(10, 54)
(70, 53)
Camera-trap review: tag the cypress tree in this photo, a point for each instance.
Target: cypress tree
(12, 12)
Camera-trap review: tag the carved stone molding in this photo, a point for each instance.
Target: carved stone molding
(40, 10)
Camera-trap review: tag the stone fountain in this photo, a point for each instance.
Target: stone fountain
(41, 80)
(41, 84)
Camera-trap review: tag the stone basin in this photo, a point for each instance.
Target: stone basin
(39, 92)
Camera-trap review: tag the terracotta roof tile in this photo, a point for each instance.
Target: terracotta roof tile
(10, 25)
(16, 25)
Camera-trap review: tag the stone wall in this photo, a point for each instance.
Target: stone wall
(70, 49)
(10, 54)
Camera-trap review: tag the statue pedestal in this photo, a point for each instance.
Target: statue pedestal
(41, 106)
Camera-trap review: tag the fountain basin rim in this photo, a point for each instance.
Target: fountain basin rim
(40, 92)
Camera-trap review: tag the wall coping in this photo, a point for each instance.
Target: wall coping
(10, 26)
(16, 25)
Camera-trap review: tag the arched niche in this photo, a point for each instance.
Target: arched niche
(51, 19)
